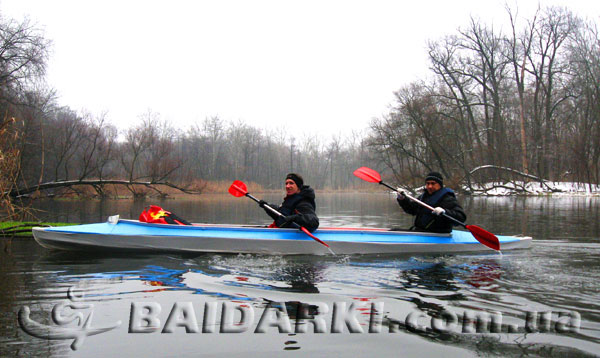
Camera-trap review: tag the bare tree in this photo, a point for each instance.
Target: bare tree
(67, 135)
(495, 96)
(518, 50)
(9, 167)
(549, 68)
(487, 67)
(215, 131)
(137, 141)
(585, 106)
(23, 56)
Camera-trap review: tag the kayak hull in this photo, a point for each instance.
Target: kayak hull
(133, 235)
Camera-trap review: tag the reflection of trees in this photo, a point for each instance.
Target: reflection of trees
(435, 277)
(301, 276)
(440, 278)
(439, 282)
(24, 285)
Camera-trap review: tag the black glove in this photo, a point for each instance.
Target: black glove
(400, 197)
(286, 221)
(262, 203)
(289, 218)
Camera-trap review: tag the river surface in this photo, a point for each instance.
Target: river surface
(538, 302)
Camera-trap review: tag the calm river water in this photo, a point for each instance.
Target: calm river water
(538, 302)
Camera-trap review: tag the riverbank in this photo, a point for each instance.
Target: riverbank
(160, 191)
(535, 189)
(510, 188)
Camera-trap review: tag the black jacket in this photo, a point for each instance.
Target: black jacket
(425, 220)
(299, 208)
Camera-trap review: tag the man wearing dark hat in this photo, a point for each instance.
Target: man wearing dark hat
(441, 198)
(298, 205)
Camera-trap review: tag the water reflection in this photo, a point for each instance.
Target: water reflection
(484, 274)
(559, 273)
(302, 277)
(426, 284)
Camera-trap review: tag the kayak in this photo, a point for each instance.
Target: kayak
(133, 235)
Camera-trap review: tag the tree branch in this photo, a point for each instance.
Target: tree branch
(70, 183)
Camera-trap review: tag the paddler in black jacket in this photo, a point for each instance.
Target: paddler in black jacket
(441, 198)
(298, 205)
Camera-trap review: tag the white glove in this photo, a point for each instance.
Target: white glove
(438, 211)
(400, 195)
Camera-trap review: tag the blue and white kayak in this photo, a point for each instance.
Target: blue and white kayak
(119, 234)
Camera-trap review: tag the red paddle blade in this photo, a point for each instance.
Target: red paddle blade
(238, 189)
(485, 237)
(305, 230)
(368, 174)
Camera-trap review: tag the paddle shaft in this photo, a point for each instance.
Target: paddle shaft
(268, 207)
(424, 204)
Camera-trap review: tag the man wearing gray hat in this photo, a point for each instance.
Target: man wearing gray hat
(441, 198)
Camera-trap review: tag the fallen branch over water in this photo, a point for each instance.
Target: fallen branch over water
(521, 187)
(514, 171)
(97, 184)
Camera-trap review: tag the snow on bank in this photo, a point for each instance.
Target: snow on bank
(535, 188)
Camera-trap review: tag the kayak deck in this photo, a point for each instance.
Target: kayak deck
(135, 235)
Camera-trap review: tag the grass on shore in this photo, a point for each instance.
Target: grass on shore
(23, 228)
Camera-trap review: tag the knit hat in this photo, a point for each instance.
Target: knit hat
(435, 176)
(296, 178)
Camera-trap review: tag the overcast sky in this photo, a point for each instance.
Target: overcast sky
(301, 67)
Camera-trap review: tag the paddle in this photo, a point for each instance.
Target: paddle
(238, 189)
(485, 237)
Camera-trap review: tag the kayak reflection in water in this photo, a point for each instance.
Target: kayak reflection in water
(298, 205)
(441, 198)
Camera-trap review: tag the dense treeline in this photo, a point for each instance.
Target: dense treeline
(527, 99)
(68, 146)
(218, 150)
